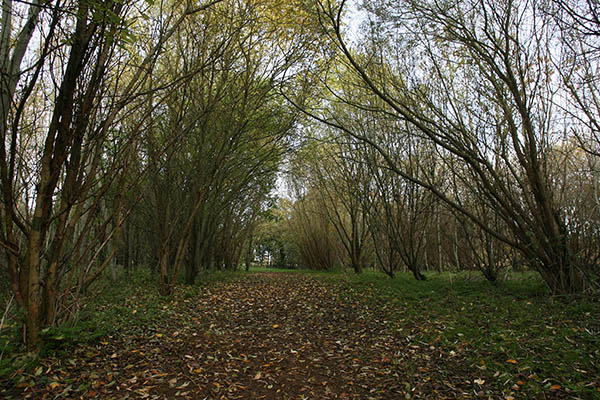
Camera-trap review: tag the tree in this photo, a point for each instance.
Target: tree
(478, 85)
(313, 234)
(59, 161)
(401, 210)
(214, 146)
(340, 180)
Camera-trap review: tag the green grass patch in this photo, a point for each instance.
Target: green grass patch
(516, 335)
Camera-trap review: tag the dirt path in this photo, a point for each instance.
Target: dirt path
(271, 336)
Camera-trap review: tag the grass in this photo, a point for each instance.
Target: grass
(516, 335)
(516, 331)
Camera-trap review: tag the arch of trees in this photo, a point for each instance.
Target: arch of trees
(438, 134)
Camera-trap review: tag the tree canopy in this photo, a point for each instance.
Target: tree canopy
(421, 136)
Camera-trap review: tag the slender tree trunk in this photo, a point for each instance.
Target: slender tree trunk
(356, 262)
(455, 246)
(32, 271)
(439, 240)
(191, 265)
(250, 251)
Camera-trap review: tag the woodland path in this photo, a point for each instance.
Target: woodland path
(262, 336)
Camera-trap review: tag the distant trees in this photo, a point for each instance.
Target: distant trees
(314, 235)
(330, 183)
(210, 152)
(401, 210)
(213, 148)
(341, 181)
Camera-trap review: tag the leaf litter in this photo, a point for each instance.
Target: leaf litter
(268, 336)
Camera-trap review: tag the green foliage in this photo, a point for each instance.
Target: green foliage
(64, 337)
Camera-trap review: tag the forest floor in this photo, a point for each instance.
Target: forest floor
(274, 335)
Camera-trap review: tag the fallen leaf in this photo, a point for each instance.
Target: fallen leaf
(511, 361)
(555, 387)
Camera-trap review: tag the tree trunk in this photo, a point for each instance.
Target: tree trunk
(416, 273)
(191, 269)
(250, 251)
(165, 284)
(356, 263)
